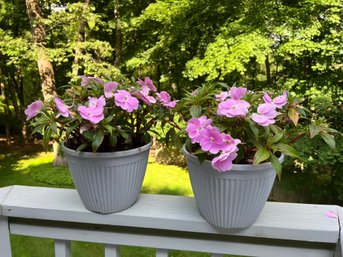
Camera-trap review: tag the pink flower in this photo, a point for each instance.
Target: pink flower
(110, 88)
(33, 109)
(125, 100)
(171, 104)
(147, 82)
(195, 125)
(281, 100)
(97, 102)
(165, 98)
(222, 96)
(94, 115)
(147, 99)
(211, 140)
(61, 107)
(86, 80)
(266, 114)
(143, 94)
(94, 112)
(237, 93)
(278, 101)
(232, 108)
(230, 143)
(223, 162)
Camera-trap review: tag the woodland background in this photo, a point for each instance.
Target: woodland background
(295, 45)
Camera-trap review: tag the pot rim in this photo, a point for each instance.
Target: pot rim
(129, 152)
(239, 167)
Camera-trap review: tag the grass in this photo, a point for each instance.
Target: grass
(159, 178)
(30, 165)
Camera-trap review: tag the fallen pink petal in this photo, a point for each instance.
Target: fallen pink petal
(331, 214)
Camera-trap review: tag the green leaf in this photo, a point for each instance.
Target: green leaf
(331, 130)
(123, 134)
(88, 135)
(199, 151)
(97, 140)
(188, 144)
(91, 23)
(287, 150)
(254, 130)
(81, 147)
(46, 137)
(275, 129)
(329, 139)
(276, 165)
(314, 130)
(53, 127)
(107, 119)
(195, 111)
(276, 138)
(201, 157)
(261, 155)
(38, 129)
(71, 129)
(109, 128)
(113, 140)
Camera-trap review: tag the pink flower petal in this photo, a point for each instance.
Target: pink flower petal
(33, 109)
(110, 88)
(238, 92)
(61, 107)
(331, 214)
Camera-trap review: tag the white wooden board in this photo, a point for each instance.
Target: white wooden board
(302, 222)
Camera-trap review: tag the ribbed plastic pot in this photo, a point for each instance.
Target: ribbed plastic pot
(232, 199)
(108, 182)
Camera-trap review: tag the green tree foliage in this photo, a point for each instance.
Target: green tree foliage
(18, 73)
(292, 44)
(94, 54)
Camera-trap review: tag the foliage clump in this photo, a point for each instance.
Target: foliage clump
(235, 125)
(102, 116)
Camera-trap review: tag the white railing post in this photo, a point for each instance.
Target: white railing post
(339, 246)
(111, 250)
(62, 248)
(5, 243)
(161, 253)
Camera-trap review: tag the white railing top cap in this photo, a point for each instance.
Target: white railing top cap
(304, 222)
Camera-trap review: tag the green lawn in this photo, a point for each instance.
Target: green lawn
(29, 165)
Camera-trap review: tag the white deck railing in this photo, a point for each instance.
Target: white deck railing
(165, 222)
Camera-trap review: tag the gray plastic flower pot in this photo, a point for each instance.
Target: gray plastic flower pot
(108, 182)
(232, 199)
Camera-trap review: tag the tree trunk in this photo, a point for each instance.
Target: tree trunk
(59, 158)
(80, 39)
(269, 80)
(16, 93)
(45, 68)
(22, 107)
(7, 111)
(119, 43)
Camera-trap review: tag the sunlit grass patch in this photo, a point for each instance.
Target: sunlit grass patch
(159, 178)
(27, 162)
(166, 179)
